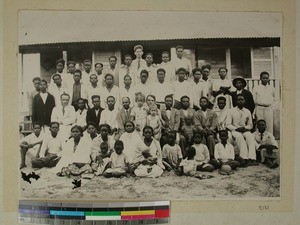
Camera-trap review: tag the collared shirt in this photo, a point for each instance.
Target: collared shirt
(143, 88)
(170, 71)
(86, 77)
(181, 89)
(264, 95)
(93, 91)
(202, 153)
(196, 92)
(115, 73)
(222, 117)
(152, 75)
(161, 90)
(81, 117)
(44, 96)
(127, 93)
(183, 62)
(32, 139)
(114, 91)
(216, 84)
(138, 62)
(65, 115)
(57, 92)
(206, 88)
(265, 138)
(224, 153)
(168, 112)
(52, 145)
(76, 92)
(109, 117)
(239, 118)
(125, 70)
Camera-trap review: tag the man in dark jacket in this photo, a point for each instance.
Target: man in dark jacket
(94, 114)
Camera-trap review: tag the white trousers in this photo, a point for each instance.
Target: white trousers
(246, 144)
(267, 114)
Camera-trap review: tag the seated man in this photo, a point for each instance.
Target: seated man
(239, 122)
(51, 149)
(31, 144)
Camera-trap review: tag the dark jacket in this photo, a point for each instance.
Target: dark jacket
(42, 111)
(249, 104)
(91, 116)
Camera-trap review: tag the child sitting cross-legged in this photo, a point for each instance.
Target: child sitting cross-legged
(224, 154)
(188, 166)
(119, 164)
(100, 162)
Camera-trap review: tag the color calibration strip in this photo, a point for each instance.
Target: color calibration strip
(126, 213)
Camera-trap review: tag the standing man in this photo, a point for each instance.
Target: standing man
(94, 114)
(113, 69)
(87, 66)
(138, 63)
(181, 62)
(36, 83)
(57, 89)
(42, 105)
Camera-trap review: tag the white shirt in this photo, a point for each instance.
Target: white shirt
(264, 95)
(86, 77)
(183, 62)
(181, 89)
(222, 117)
(68, 118)
(51, 145)
(32, 139)
(93, 91)
(170, 71)
(44, 96)
(161, 90)
(80, 117)
(239, 118)
(109, 117)
(113, 92)
(196, 92)
(57, 92)
(127, 93)
(224, 153)
(143, 88)
(206, 88)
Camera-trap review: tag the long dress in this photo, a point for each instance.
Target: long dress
(80, 155)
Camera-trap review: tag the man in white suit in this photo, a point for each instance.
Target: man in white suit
(65, 115)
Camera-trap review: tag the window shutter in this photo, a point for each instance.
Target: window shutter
(262, 60)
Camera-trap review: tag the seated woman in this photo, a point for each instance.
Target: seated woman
(150, 160)
(75, 154)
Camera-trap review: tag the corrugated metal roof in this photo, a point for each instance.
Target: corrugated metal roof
(46, 27)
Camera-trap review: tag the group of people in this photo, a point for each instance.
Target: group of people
(142, 119)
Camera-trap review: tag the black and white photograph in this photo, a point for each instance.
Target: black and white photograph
(172, 105)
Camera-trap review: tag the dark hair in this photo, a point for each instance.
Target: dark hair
(66, 94)
(109, 74)
(145, 71)
(173, 132)
(43, 80)
(127, 76)
(185, 96)
(77, 127)
(77, 71)
(161, 69)
(152, 96)
(190, 152)
(98, 63)
(55, 75)
(169, 96)
(81, 99)
(104, 125)
(223, 68)
(104, 144)
(50, 125)
(127, 55)
(87, 60)
(165, 52)
(71, 62)
(149, 54)
(196, 70)
(36, 123)
(264, 73)
(221, 98)
(203, 97)
(181, 69)
(91, 123)
(124, 98)
(223, 131)
(110, 97)
(148, 127)
(261, 121)
(207, 66)
(60, 61)
(95, 96)
(36, 78)
(112, 57)
(93, 75)
(132, 123)
(241, 95)
(119, 142)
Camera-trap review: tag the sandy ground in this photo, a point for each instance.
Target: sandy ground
(252, 182)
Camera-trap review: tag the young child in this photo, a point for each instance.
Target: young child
(139, 113)
(202, 154)
(266, 145)
(101, 161)
(188, 166)
(31, 144)
(102, 137)
(224, 152)
(188, 129)
(171, 152)
(153, 120)
(119, 163)
(264, 95)
(81, 113)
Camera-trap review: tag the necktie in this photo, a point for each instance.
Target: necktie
(63, 110)
(127, 70)
(261, 136)
(139, 64)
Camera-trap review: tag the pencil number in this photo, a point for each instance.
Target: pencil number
(264, 207)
